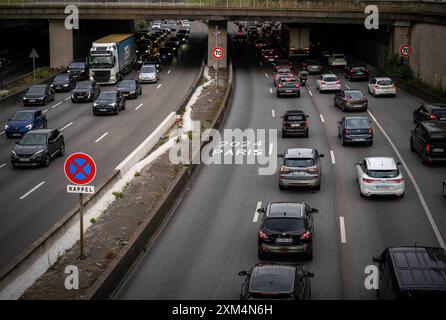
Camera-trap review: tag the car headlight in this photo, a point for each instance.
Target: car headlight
(6, 127)
(29, 127)
(113, 104)
(65, 85)
(13, 153)
(132, 92)
(95, 104)
(37, 153)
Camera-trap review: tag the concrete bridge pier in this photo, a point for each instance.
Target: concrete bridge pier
(401, 34)
(61, 44)
(220, 41)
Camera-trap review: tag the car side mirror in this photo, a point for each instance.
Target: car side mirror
(280, 155)
(314, 210)
(309, 274)
(357, 163)
(261, 210)
(376, 259)
(321, 155)
(243, 273)
(398, 163)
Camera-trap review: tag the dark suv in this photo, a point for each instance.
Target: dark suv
(355, 130)
(78, 70)
(85, 91)
(430, 112)
(276, 282)
(109, 102)
(428, 139)
(294, 123)
(412, 273)
(357, 71)
(287, 228)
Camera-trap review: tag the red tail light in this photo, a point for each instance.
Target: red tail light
(297, 84)
(306, 124)
(427, 147)
(280, 85)
(263, 235)
(346, 131)
(283, 170)
(365, 180)
(322, 82)
(401, 180)
(306, 236)
(434, 117)
(370, 131)
(285, 124)
(313, 170)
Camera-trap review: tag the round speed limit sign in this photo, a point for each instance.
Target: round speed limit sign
(218, 53)
(405, 50)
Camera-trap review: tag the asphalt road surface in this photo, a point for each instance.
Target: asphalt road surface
(24, 220)
(212, 233)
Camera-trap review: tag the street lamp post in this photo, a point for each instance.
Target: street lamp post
(216, 33)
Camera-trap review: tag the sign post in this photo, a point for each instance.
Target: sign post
(33, 55)
(217, 53)
(80, 169)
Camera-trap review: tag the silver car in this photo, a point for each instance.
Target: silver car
(148, 74)
(300, 167)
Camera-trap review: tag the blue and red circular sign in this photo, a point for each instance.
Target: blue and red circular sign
(80, 168)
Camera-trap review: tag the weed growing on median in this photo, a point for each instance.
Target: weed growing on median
(137, 174)
(93, 220)
(118, 194)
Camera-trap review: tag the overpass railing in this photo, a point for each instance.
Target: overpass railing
(285, 4)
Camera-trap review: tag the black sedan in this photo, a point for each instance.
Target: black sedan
(356, 71)
(130, 88)
(155, 60)
(173, 46)
(109, 102)
(287, 228)
(355, 130)
(166, 54)
(85, 91)
(313, 66)
(430, 112)
(350, 100)
(276, 282)
(63, 83)
(39, 94)
(38, 147)
(288, 88)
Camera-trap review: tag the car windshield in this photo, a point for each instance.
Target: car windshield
(357, 123)
(354, 95)
(285, 225)
(127, 84)
(33, 139)
(107, 96)
(383, 173)
(385, 82)
(148, 69)
(36, 90)
(84, 85)
(23, 116)
(61, 77)
(297, 117)
(77, 65)
(330, 78)
(299, 163)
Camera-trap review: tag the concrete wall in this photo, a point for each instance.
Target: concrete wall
(429, 51)
(222, 42)
(61, 44)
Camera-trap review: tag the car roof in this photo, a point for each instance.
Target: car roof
(26, 111)
(381, 163)
(419, 268)
(285, 209)
(272, 278)
(434, 126)
(110, 91)
(299, 153)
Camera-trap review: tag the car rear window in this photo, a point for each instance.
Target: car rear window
(338, 56)
(357, 123)
(385, 82)
(438, 137)
(285, 225)
(301, 163)
(439, 112)
(330, 78)
(297, 117)
(358, 68)
(291, 84)
(354, 95)
(382, 173)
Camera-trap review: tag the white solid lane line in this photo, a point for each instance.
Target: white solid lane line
(2, 132)
(139, 106)
(309, 91)
(101, 137)
(256, 214)
(159, 86)
(322, 118)
(2, 165)
(69, 97)
(273, 113)
(266, 75)
(270, 90)
(57, 104)
(168, 72)
(347, 87)
(414, 182)
(342, 225)
(32, 190)
(66, 126)
(332, 156)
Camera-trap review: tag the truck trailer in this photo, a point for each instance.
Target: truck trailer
(111, 58)
(295, 40)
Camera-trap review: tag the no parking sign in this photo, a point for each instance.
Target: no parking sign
(80, 169)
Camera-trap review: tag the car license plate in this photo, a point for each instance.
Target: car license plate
(442, 118)
(24, 159)
(102, 110)
(284, 240)
(288, 90)
(295, 125)
(32, 100)
(383, 187)
(16, 134)
(81, 97)
(437, 150)
(298, 173)
(271, 59)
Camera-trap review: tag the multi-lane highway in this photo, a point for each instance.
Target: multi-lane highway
(206, 243)
(34, 199)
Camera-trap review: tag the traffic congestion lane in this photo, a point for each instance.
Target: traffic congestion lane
(205, 243)
(371, 225)
(125, 132)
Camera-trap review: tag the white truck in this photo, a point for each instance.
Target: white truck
(111, 58)
(295, 40)
(337, 60)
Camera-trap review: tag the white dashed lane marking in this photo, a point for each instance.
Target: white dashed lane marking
(32, 190)
(101, 137)
(256, 214)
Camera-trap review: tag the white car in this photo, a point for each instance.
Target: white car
(337, 60)
(328, 81)
(379, 176)
(382, 86)
(156, 25)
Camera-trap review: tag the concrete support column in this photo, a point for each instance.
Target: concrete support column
(401, 34)
(222, 41)
(61, 44)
